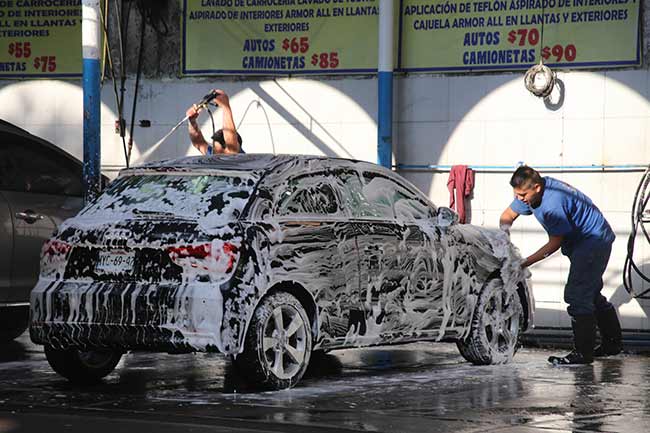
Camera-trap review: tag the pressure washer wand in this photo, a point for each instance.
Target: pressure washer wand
(199, 106)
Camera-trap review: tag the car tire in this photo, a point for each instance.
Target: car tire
(495, 326)
(278, 343)
(13, 322)
(82, 367)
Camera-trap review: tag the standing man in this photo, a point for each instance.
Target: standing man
(228, 139)
(576, 225)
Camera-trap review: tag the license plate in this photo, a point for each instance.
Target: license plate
(115, 262)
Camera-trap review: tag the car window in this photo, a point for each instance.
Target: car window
(308, 195)
(209, 197)
(385, 193)
(412, 209)
(26, 166)
(357, 199)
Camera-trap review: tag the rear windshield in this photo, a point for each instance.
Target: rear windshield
(221, 198)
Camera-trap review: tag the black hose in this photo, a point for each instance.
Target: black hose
(111, 67)
(630, 268)
(137, 85)
(122, 33)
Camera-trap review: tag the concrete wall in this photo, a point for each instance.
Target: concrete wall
(485, 120)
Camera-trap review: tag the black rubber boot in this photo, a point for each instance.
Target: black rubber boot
(584, 336)
(611, 339)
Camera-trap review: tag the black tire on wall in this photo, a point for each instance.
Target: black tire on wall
(494, 331)
(13, 322)
(82, 367)
(278, 343)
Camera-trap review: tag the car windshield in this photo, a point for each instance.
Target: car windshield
(189, 196)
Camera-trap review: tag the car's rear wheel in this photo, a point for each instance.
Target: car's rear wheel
(13, 322)
(82, 366)
(278, 343)
(494, 332)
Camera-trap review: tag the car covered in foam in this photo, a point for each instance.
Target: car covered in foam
(267, 258)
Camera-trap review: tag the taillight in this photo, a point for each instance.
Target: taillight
(196, 251)
(217, 256)
(54, 247)
(54, 256)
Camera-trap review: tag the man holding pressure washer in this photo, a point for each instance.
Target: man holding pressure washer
(228, 139)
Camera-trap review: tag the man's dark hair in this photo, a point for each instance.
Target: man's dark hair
(525, 176)
(218, 137)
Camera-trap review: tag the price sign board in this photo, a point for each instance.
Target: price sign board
(262, 37)
(466, 35)
(40, 39)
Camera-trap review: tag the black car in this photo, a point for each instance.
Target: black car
(40, 187)
(267, 258)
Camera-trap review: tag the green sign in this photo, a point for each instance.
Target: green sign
(40, 38)
(262, 37)
(467, 35)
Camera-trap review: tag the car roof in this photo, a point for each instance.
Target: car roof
(261, 164)
(10, 128)
(254, 162)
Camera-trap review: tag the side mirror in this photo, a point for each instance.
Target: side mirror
(446, 217)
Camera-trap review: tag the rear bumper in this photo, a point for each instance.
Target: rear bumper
(127, 316)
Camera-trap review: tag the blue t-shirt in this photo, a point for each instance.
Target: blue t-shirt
(565, 211)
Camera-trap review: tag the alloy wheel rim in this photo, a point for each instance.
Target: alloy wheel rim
(284, 343)
(502, 320)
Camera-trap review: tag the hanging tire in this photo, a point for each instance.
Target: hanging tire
(495, 326)
(278, 343)
(82, 367)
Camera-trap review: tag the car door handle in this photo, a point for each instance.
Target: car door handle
(29, 216)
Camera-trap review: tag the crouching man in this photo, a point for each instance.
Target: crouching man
(574, 224)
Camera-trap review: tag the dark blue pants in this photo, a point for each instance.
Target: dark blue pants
(582, 291)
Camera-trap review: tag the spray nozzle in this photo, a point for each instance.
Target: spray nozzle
(208, 98)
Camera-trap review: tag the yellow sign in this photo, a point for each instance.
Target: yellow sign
(261, 37)
(40, 39)
(470, 35)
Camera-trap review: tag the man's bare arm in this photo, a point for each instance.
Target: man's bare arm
(229, 128)
(196, 136)
(553, 244)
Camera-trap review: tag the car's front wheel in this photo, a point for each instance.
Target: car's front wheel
(494, 332)
(278, 343)
(82, 366)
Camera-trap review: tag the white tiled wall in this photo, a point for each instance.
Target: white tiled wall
(603, 120)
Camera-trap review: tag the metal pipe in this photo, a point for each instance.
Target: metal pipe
(634, 167)
(385, 85)
(90, 41)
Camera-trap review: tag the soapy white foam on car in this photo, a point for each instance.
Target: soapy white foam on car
(443, 266)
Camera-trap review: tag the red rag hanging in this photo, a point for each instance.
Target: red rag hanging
(461, 179)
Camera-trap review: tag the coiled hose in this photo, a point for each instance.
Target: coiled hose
(541, 89)
(639, 218)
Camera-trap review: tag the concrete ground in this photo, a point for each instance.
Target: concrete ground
(412, 388)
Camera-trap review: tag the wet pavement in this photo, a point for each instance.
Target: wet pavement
(418, 387)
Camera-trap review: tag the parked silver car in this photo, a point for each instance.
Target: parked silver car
(40, 186)
(267, 258)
